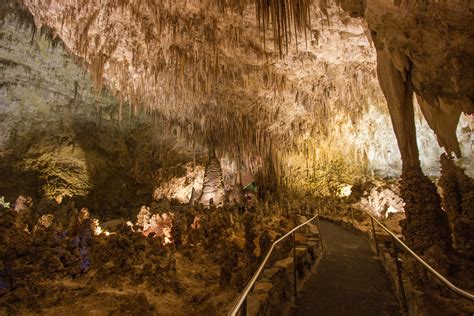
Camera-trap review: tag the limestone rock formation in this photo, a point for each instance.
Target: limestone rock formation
(113, 104)
(458, 199)
(213, 187)
(198, 63)
(201, 63)
(418, 46)
(428, 44)
(60, 138)
(426, 227)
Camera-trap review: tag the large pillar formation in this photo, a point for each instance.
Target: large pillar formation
(426, 227)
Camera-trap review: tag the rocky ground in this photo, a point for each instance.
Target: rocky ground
(56, 264)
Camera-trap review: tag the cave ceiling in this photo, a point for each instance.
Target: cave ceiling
(223, 71)
(204, 66)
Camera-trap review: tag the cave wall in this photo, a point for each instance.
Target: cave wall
(62, 138)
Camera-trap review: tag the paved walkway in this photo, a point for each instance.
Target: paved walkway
(349, 279)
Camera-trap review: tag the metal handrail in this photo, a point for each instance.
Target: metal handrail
(438, 275)
(243, 297)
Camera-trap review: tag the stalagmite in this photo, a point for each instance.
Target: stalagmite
(426, 227)
(213, 188)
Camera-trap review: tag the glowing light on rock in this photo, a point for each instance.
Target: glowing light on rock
(382, 200)
(156, 224)
(22, 203)
(45, 221)
(3, 203)
(345, 191)
(98, 230)
(390, 210)
(181, 188)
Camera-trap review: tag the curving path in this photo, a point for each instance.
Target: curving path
(349, 279)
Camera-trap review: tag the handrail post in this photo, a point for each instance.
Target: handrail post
(375, 236)
(400, 279)
(240, 305)
(294, 266)
(243, 308)
(439, 276)
(319, 231)
(353, 221)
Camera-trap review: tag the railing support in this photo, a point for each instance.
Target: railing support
(243, 308)
(295, 277)
(240, 304)
(375, 237)
(400, 279)
(439, 276)
(319, 231)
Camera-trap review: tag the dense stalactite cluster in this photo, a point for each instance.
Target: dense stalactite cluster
(197, 84)
(279, 108)
(287, 19)
(61, 139)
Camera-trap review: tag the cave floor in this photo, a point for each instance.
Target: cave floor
(349, 280)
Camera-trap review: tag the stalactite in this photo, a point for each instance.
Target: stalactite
(282, 14)
(180, 63)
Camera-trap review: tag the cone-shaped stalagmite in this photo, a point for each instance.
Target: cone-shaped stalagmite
(213, 187)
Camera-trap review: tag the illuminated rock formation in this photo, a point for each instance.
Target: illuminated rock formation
(213, 187)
